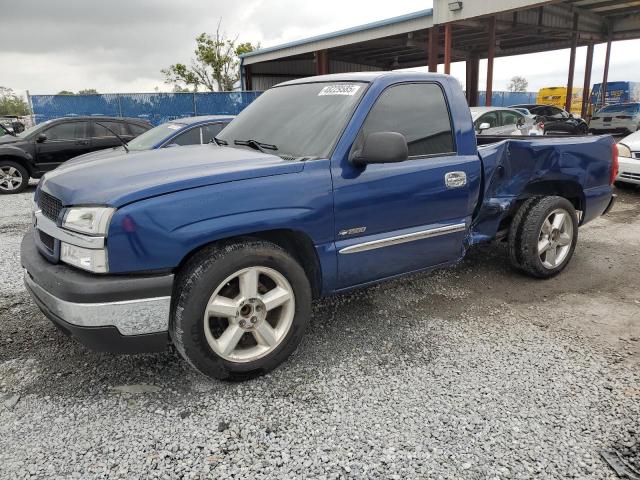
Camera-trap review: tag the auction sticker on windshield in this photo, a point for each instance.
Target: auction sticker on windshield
(342, 89)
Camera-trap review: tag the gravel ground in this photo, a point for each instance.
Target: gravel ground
(476, 372)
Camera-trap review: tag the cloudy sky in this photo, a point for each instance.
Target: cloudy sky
(121, 46)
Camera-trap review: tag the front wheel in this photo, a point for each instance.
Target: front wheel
(14, 178)
(548, 233)
(240, 309)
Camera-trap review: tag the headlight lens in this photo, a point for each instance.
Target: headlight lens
(84, 258)
(623, 150)
(91, 220)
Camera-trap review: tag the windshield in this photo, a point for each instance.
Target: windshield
(152, 137)
(301, 120)
(629, 108)
(34, 129)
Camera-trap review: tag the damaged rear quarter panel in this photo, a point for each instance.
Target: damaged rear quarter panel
(517, 169)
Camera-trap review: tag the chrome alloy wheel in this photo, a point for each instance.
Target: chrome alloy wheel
(556, 236)
(249, 314)
(10, 178)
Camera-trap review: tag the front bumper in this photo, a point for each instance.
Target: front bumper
(115, 313)
(629, 170)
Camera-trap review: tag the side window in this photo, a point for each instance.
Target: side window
(511, 118)
(67, 131)
(210, 131)
(190, 137)
(419, 112)
(100, 130)
(491, 118)
(136, 129)
(556, 112)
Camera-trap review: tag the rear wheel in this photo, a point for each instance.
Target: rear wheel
(583, 129)
(547, 237)
(240, 309)
(14, 178)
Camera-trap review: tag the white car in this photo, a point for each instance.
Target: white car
(620, 118)
(497, 121)
(629, 159)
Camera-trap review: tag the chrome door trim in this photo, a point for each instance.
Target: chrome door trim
(408, 237)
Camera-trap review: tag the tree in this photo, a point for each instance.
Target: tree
(65, 92)
(215, 66)
(12, 104)
(518, 84)
(88, 91)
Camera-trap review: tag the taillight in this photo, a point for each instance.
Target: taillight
(614, 163)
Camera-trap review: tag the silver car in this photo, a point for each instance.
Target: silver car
(498, 121)
(629, 159)
(618, 118)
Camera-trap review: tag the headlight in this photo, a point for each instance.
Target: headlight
(84, 258)
(623, 150)
(91, 220)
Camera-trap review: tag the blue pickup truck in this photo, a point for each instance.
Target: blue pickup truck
(322, 185)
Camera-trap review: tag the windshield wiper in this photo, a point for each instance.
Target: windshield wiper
(219, 141)
(263, 147)
(124, 144)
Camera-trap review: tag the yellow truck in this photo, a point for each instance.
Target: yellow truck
(557, 96)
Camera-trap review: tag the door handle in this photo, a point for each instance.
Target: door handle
(455, 179)
(82, 142)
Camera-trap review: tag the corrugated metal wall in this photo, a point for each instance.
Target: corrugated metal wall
(155, 107)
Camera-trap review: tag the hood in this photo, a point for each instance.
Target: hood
(8, 139)
(632, 141)
(119, 180)
(106, 153)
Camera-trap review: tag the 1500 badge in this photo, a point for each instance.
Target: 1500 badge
(351, 231)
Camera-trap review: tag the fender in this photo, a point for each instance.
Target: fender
(159, 232)
(20, 155)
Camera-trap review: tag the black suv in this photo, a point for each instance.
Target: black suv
(556, 119)
(43, 147)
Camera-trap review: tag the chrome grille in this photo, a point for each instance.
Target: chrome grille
(49, 205)
(630, 176)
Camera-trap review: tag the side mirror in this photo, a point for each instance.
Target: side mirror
(382, 147)
(484, 126)
(41, 138)
(571, 115)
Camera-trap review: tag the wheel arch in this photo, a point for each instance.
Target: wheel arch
(295, 242)
(569, 189)
(19, 156)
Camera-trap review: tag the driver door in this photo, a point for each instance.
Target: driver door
(393, 218)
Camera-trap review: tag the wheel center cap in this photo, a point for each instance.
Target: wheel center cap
(251, 312)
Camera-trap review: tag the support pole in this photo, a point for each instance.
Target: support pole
(490, 55)
(473, 70)
(434, 48)
(322, 62)
(247, 78)
(587, 80)
(447, 48)
(572, 63)
(605, 77)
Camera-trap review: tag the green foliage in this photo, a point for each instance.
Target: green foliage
(12, 104)
(215, 66)
(88, 91)
(518, 84)
(65, 92)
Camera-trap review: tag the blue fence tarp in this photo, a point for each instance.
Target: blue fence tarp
(157, 108)
(506, 99)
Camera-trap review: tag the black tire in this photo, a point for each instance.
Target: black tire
(583, 129)
(198, 280)
(20, 172)
(515, 230)
(526, 242)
